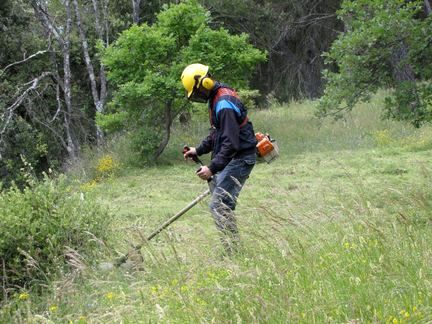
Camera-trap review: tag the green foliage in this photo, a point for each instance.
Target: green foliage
(24, 143)
(182, 20)
(386, 44)
(145, 65)
(39, 224)
(249, 97)
(111, 123)
(24, 135)
(410, 101)
(231, 58)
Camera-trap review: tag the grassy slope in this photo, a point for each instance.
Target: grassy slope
(338, 229)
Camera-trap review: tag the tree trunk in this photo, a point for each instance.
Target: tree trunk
(167, 133)
(97, 97)
(428, 8)
(402, 71)
(100, 33)
(102, 75)
(87, 59)
(64, 43)
(72, 149)
(136, 11)
(98, 27)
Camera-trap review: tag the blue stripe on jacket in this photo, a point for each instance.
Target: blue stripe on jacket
(226, 104)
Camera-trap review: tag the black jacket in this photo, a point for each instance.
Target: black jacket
(232, 134)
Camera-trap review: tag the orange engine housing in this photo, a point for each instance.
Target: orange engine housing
(264, 146)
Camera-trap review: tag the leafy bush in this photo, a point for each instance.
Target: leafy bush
(24, 143)
(106, 166)
(249, 98)
(41, 222)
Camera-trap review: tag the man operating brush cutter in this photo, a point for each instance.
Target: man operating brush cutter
(232, 143)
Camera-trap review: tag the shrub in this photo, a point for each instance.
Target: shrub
(249, 98)
(106, 166)
(41, 222)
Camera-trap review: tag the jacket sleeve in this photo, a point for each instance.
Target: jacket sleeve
(207, 144)
(229, 140)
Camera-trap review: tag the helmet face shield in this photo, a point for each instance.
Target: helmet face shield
(199, 92)
(200, 95)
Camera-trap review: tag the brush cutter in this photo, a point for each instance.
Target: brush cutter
(168, 222)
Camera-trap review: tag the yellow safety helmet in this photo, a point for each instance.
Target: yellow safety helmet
(195, 76)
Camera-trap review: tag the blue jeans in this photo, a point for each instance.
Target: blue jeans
(225, 188)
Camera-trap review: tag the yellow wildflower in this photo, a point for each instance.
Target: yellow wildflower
(53, 308)
(106, 165)
(109, 295)
(23, 296)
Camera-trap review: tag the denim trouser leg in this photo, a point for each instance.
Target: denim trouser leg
(226, 187)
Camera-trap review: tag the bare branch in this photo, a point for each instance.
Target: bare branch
(9, 111)
(313, 19)
(22, 61)
(47, 126)
(59, 105)
(45, 19)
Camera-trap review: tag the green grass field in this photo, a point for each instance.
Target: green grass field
(336, 230)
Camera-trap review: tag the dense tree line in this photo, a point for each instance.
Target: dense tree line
(51, 80)
(53, 84)
(295, 34)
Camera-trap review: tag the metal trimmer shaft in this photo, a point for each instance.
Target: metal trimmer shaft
(167, 223)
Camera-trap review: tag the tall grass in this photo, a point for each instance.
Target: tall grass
(337, 230)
